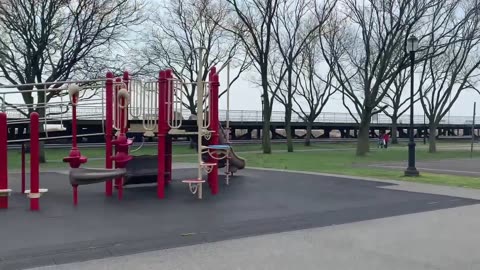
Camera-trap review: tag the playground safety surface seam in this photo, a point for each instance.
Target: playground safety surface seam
(255, 203)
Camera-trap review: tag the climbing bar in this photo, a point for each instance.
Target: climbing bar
(175, 102)
(150, 108)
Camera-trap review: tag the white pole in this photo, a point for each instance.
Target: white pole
(45, 110)
(473, 129)
(228, 125)
(200, 117)
(228, 101)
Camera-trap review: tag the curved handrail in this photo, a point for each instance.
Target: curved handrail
(150, 107)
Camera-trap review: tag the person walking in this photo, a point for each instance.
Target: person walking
(381, 141)
(386, 138)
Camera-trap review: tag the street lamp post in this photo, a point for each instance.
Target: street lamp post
(263, 117)
(263, 111)
(412, 46)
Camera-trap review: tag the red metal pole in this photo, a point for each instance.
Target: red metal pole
(34, 162)
(168, 159)
(23, 168)
(108, 130)
(3, 160)
(168, 147)
(75, 158)
(213, 114)
(75, 195)
(161, 136)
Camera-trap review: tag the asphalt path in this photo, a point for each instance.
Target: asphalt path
(256, 203)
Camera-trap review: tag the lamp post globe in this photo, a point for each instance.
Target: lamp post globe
(412, 43)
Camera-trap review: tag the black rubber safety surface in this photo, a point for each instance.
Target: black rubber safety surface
(255, 203)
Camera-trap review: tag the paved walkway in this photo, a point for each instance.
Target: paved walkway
(442, 240)
(258, 202)
(438, 240)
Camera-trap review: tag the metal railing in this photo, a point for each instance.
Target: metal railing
(95, 112)
(336, 117)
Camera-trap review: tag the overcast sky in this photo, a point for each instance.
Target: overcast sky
(246, 95)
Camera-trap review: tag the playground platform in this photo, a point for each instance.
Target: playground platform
(256, 202)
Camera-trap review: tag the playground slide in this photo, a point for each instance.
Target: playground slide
(236, 162)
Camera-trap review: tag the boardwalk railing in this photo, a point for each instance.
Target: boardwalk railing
(94, 112)
(337, 117)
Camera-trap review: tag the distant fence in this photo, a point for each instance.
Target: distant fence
(338, 117)
(93, 112)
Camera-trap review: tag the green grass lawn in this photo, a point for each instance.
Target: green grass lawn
(335, 158)
(346, 163)
(180, 152)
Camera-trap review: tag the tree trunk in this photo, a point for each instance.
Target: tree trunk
(288, 109)
(192, 100)
(266, 142)
(363, 141)
(394, 130)
(288, 129)
(43, 156)
(432, 138)
(192, 143)
(308, 136)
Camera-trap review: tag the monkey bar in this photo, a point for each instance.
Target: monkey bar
(175, 102)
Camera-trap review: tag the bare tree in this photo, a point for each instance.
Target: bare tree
(445, 77)
(364, 45)
(397, 102)
(295, 24)
(179, 29)
(254, 26)
(56, 40)
(313, 90)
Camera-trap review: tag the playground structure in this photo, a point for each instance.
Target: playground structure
(158, 103)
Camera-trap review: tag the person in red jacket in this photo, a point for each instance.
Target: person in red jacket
(386, 138)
